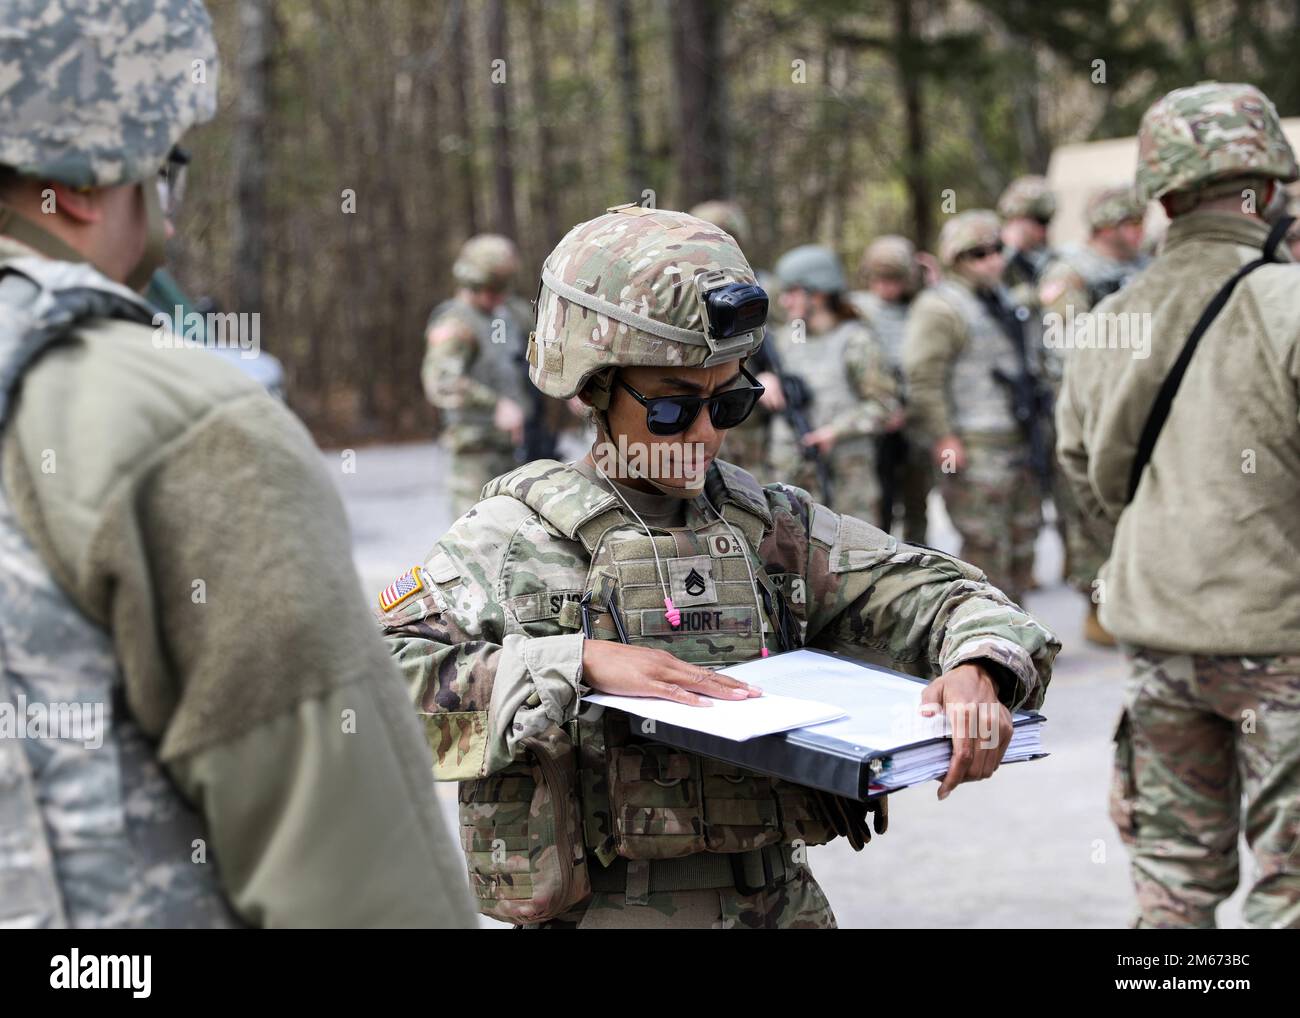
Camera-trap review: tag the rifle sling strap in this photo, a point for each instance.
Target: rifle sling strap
(1169, 388)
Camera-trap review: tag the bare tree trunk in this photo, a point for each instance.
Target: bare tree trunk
(503, 165)
(909, 86)
(546, 197)
(460, 57)
(256, 38)
(701, 79)
(630, 98)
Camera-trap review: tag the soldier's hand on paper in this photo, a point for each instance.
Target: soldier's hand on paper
(981, 725)
(626, 670)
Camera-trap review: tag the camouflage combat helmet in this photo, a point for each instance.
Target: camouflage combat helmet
(1113, 205)
(889, 256)
(1210, 132)
(627, 289)
(811, 267)
(1027, 197)
(970, 229)
(94, 93)
(726, 214)
(487, 259)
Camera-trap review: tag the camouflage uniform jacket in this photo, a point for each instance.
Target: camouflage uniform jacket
(224, 651)
(471, 361)
(1073, 283)
(489, 638)
(1203, 560)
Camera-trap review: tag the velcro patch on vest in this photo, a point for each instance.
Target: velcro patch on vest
(691, 581)
(401, 589)
(724, 546)
(739, 621)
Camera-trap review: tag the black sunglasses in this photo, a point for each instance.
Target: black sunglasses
(974, 254)
(671, 415)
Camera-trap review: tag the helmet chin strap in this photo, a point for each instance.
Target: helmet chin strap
(154, 253)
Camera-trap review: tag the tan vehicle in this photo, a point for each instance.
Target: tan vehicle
(1077, 170)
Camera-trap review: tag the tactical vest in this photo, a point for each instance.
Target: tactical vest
(977, 402)
(499, 363)
(92, 831)
(888, 320)
(598, 787)
(1101, 275)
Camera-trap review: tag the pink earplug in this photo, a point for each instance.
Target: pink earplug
(764, 654)
(673, 616)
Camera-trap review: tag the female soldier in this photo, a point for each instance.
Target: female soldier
(636, 571)
(854, 394)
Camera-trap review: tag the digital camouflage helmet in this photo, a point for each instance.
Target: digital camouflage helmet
(1113, 205)
(726, 214)
(1195, 137)
(890, 257)
(642, 287)
(94, 93)
(486, 260)
(1028, 197)
(971, 229)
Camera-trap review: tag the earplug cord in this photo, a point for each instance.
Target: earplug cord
(671, 612)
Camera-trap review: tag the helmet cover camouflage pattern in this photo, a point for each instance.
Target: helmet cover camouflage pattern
(811, 267)
(889, 256)
(624, 290)
(970, 229)
(94, 93)
(726, 214)
(1113, 205)
(1209, 132)
(487, 259)
(1027, 197)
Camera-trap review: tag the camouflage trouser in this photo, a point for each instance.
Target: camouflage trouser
(912, 477)
(747, 446)
(1197, 734)
(794, 903)
(470, 470)
(855, 480)
(995, 506)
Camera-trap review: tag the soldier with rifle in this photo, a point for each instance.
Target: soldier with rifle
(986, 437)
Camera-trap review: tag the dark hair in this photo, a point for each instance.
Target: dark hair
(842, 308)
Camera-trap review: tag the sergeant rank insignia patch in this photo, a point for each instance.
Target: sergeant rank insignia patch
(401, 589)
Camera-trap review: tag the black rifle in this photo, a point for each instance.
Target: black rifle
(1031, 400)
(798, 398)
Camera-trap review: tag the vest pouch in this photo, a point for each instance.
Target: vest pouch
(521, 830)
(803, 817)
(654, 793)
(740, 808)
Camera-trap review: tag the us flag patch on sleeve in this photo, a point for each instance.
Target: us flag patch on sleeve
(401, 589)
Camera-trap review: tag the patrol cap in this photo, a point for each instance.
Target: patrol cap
(1210, 132)
(94, 93)
(811, 267)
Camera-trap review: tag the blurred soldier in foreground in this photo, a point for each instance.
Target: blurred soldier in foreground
(893, 277)
(748, 444)
(853, 395)
(234, 746)
(968, 357)
(474, 368)
(1026, 207)
(638, 569)
(1201, 587)
(1076, 280)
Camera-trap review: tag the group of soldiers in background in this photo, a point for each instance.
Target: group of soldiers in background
(934, 372)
